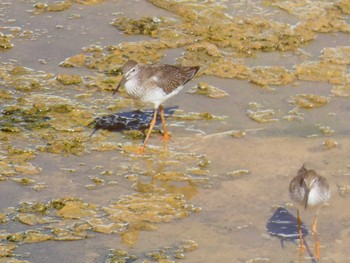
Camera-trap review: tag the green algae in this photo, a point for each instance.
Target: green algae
(145, 26)
(142, 210)
(238, 134)
(27, 207)
(262, 115)
(57, 6)
(321, 71)
(76, 209)
(337, 55)
(242, 36)
(70, 144)
(74, 61)
(23, 181)
(67, 79)
(173, 252)
(265, 76)
(309, 101)
(193, 116)
(5, 42)
(33, 219)
(207, 90)
(7, 250)
(3, 218)
(6, 94)
(341, 90)
(329, 144)
(344, 190)
(29, 236)
(119, 256)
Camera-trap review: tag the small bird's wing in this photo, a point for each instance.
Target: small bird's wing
(169, 78)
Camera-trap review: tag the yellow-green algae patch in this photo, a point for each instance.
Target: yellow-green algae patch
(207, 90)
(29, 236)
(344, 190)
(276, 75)
(344, 6)
(309, 101)
(67, 79)
(260, 115)
(34, 219)
(238, 134)
(166, 254)
(76, 209)
(6, 250)
(321, 71)
(329, 144)
(6, 94)
(74, 61)
(5, 42)
(181, 115)
(341, 90)
(216, 46)
(337, 55)
(148, 208)
(145, 25)
(319, 16)
(55, 6)
(23, 181)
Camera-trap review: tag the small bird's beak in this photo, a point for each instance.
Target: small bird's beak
(307, 196)
(121, 83)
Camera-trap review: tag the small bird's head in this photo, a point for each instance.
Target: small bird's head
(310, 178)
(130, 69)
(308, 181)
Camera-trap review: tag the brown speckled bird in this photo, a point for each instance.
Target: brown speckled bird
(309, 190)
(154, 83)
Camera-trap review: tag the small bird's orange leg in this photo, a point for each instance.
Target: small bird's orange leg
(317, 244)
(166, 134)
(153, 122)
(301, 250)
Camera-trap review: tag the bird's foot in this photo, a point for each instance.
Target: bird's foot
(166, 136)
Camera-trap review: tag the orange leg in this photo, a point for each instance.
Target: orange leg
(317, 244)
(300, 233)
(153, 122)
(165, 131)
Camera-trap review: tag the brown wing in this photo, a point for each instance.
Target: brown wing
(170, 77)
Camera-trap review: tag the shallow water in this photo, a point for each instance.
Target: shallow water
(226, 214)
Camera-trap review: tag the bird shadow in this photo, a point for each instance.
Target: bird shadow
(283, 225)
(129, 120)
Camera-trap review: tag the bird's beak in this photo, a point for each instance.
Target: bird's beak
(307, 196)
(121, 83)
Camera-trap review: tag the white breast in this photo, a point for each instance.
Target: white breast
(133, 89)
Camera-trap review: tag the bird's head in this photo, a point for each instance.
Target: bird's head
(130, 69)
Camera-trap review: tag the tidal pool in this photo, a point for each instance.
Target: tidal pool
(272, 94)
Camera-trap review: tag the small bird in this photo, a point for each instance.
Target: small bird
(309, 190)
(154, 83)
